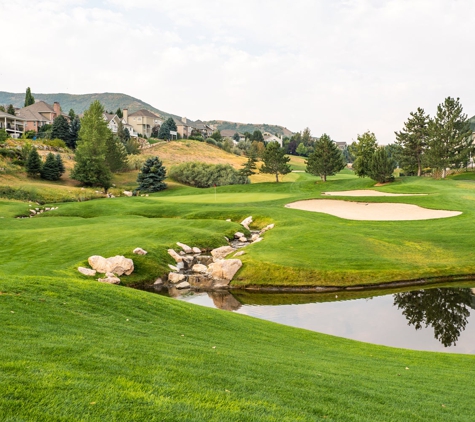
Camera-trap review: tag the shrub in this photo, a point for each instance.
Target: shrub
(55, 143)
(202, 175)
(211, 141)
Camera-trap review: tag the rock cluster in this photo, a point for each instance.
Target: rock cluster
(112, 267)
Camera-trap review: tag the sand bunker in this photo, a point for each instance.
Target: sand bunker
(368, 192)
(370, 211)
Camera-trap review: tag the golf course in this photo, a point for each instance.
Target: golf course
(76, 349)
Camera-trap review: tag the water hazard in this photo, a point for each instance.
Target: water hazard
(439, 318)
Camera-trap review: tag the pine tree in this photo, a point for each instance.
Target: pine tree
(29, 99)
(33, 163)
(71, 114)
(381, 167)
(150, 178)
(275, 161)
(11, 110)
(50, 170)
(2, 108)
(91, 167)
(363, 151)
(60, 129)
(167, 126)
(326, 160)
(119, 113)
(413, 140)
(74, 128)
(60, 165)
(450, 142)
(249, 167)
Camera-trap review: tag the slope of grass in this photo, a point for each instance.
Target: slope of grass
(82, 351)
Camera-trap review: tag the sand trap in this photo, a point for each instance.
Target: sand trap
(368, 192)
(370, 211)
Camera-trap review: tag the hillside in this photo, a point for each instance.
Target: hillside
(79, 103)
(250, 127)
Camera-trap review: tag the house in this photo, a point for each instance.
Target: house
(142, 121)
(205, 130)
(341, 145)
(39, 114)
(269, 137)
(184, 127)
(229, 134)
(13, 125)
(113, 124)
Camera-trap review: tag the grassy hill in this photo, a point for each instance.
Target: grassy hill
(250, 127)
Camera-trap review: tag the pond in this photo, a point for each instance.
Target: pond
(435, 319)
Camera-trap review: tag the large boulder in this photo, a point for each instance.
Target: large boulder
(185, 248)
(174, 255)
(220, 253)
(120, 265)
(199, 268)
(224, 269)
(175, 278)
(183, 285)
(87, 271)
(98, 263)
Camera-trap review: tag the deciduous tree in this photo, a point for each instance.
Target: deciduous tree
(275, 161)
(326, 160)
(363, 151)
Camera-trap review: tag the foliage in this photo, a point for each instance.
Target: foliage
(29, 99)
(91, 166)
(249, 167)
(119, 113)
(257, 136)
(132, 146)
(202, 175)
(74, 129)
(3, 135)
(275, 161)
(116, 155)
(236, 137)
(450, 143)
(11, 110)
(363, 151)
(50, 169)
(167, 126)
(216, 135)
(381, 167)
(326, 160)
(29, 134)
(33, 163)
(413, 139)
(301, 150)
(211, 141)
(60, 129)
(151, 176)
(72, 115)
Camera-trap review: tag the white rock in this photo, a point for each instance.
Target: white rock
(225, 269)
(199, 268)
(139, 251)
(229, 220)
(246, 222)
(47, 209)
(221, 252)
(33, 212)
(110, 275)
(109, 280)
(87, 271)
(158, 282)
(174, 255)
(237, 235)
(175, 278)
(120, 265)
(98, 263)
(183, 285)
(173, 268)
(185, 248)
(196, 250)
(240, 253)
(254, 237)
(180, 265)
(258, 239)
(127, 193)
(242, 239)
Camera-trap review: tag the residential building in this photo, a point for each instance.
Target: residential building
(113, 124)
(142, 121)
(229, 134)
(269, 137)
(184, 127)
(39, 114)
(341, 145)
(13, 125)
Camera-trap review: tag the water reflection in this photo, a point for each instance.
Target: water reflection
(445, 310)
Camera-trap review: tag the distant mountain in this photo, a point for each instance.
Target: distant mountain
(250, 127)
(79, 103)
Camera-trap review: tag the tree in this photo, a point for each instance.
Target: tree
(301, 149)
(91, 167)
(11, 110)
(60, 165)
(74, 129)
(167, 126)
(216, 135)
(363, 151)
(152, 175)
(50, 170)
(257, 136)
(326, 160)
(33, 163)
(2, 108)
(413, 140)
(450, 142)
(60, 129)
(249, 167)
(236, 137)
(275, 161)
(119, 113)
(3, 135)
(71, 115)
(381, 166)
(307, 137)
(29, 99)
(116, 156)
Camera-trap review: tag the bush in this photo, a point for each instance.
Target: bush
(211, 141)
(202, 175)
(55, 143)
(196, 138)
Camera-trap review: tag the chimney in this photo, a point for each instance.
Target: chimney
(183, 119)
(125, 115)
(57, 109)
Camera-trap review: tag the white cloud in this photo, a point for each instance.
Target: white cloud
(338, 67)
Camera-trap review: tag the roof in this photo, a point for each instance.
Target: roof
(229, 133)
(145, 113)
(108, 117)
(32, 112)
(9, 116)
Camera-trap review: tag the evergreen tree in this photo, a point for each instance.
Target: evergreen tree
(150, 178)
(119, 113)
(307, 137)
(29, 99)
(3, 135)
(60, 165)
(381, 167)
(60, 129)
(326, 160)
(2, 108)
(275, 161)
(167, 126)
(91, 167)
(126, 134)
(33, 163)
(257, 136)
(116, 156)
(74, 129)
(71, 115)
(363, 151)
(236, 137)
(50, 170)
(11, 110)
(413, 140)
(249, 167)
(450, 142)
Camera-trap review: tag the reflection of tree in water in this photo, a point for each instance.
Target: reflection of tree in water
(446, 310)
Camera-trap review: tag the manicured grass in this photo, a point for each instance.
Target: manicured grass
(77, 350)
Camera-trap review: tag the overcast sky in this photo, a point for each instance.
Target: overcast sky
(339, 67)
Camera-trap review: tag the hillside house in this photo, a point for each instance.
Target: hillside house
(269, 137)
(39, 114)
(113, 124)
(142, 121)
(13, 125)
(229, 134)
